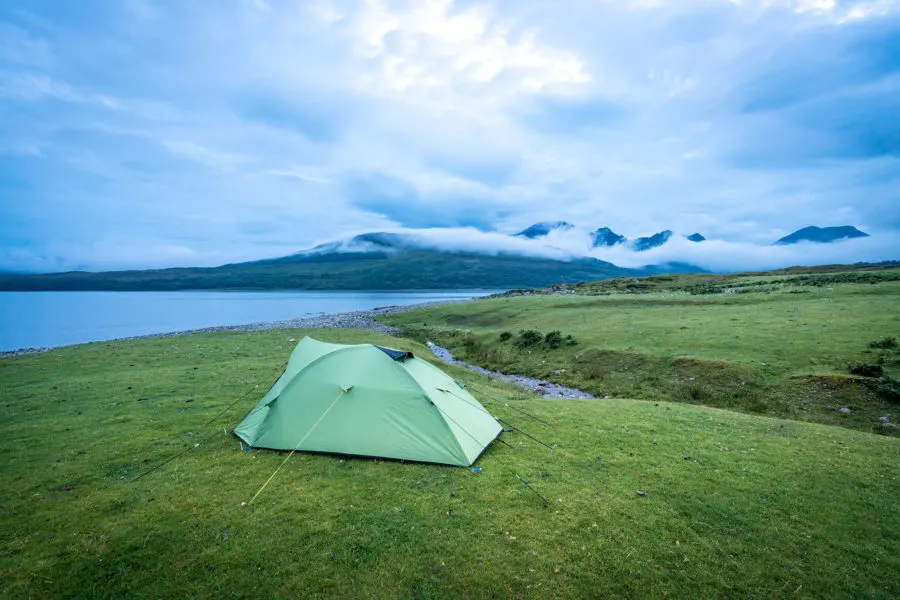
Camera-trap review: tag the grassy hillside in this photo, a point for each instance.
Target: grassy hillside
(379, 271)
(768, 344)
(734, 505)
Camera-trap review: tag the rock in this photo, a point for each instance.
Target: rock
(641, 493)
(885, 419)
(845, 410)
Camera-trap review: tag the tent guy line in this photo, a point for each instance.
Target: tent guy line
(303, 439)
(203, 426)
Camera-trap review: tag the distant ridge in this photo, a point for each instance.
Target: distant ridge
(539, 230)
(656, 240)
(385, 270)
(822, 235)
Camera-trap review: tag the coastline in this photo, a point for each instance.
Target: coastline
(360, 319)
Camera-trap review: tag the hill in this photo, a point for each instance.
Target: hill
(822, 235)
(800, 345)
(379, 270)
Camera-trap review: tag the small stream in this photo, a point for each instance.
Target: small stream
(545, 389)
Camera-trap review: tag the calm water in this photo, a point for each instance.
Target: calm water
(35, 319)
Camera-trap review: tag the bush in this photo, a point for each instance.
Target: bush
(865, 369)
(554, 339)
(505, 336)
(529, 338)
(889, 389)
(884, 343)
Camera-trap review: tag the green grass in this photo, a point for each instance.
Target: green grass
(760, 349)
(735, 505)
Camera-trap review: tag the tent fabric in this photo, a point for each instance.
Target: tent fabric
(363, 400)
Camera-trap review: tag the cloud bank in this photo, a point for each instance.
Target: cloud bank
(139, 134)
(712, 255)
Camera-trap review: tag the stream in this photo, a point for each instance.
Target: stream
(545, 389)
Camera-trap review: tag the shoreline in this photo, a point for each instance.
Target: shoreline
(360, 319)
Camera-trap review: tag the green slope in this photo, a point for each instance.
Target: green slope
(405, 270)
(734, 505)
(769, 344)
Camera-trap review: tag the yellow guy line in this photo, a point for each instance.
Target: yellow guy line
(316, 424)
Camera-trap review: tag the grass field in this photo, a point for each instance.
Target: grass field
(766, 344)
(734, 505)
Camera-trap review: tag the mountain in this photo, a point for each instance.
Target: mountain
(696, 237)
(406, 269)
(539, 230)
(606, 237)
(822, 235)
(656, 240)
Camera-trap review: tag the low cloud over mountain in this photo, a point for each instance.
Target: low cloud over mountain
(565, 241)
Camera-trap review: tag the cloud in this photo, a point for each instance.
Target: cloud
(265, 126)
(401, 202)
(724, 256)
(214, 159)
(711, 255)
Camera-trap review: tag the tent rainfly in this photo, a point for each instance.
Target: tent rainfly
(367, 400)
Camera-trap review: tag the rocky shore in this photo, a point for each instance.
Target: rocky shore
(364, 319)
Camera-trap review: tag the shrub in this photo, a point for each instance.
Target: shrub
(889, 389)
(505, 336)
(529, 338)
(865, 369)
(570, 341)
(554, 339)
(468, 340)
(884, 343)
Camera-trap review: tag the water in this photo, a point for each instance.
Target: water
(37, 319)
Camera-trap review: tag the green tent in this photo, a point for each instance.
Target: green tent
(369, 401)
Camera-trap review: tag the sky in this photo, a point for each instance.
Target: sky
(141, 134)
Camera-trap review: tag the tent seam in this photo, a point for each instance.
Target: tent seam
(408, 375)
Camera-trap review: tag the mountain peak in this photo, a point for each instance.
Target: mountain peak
(543, 229)
(696, 237)
(656, 240)
(605, 236)
(822, 235)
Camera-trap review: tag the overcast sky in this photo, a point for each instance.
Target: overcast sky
(154, 133)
